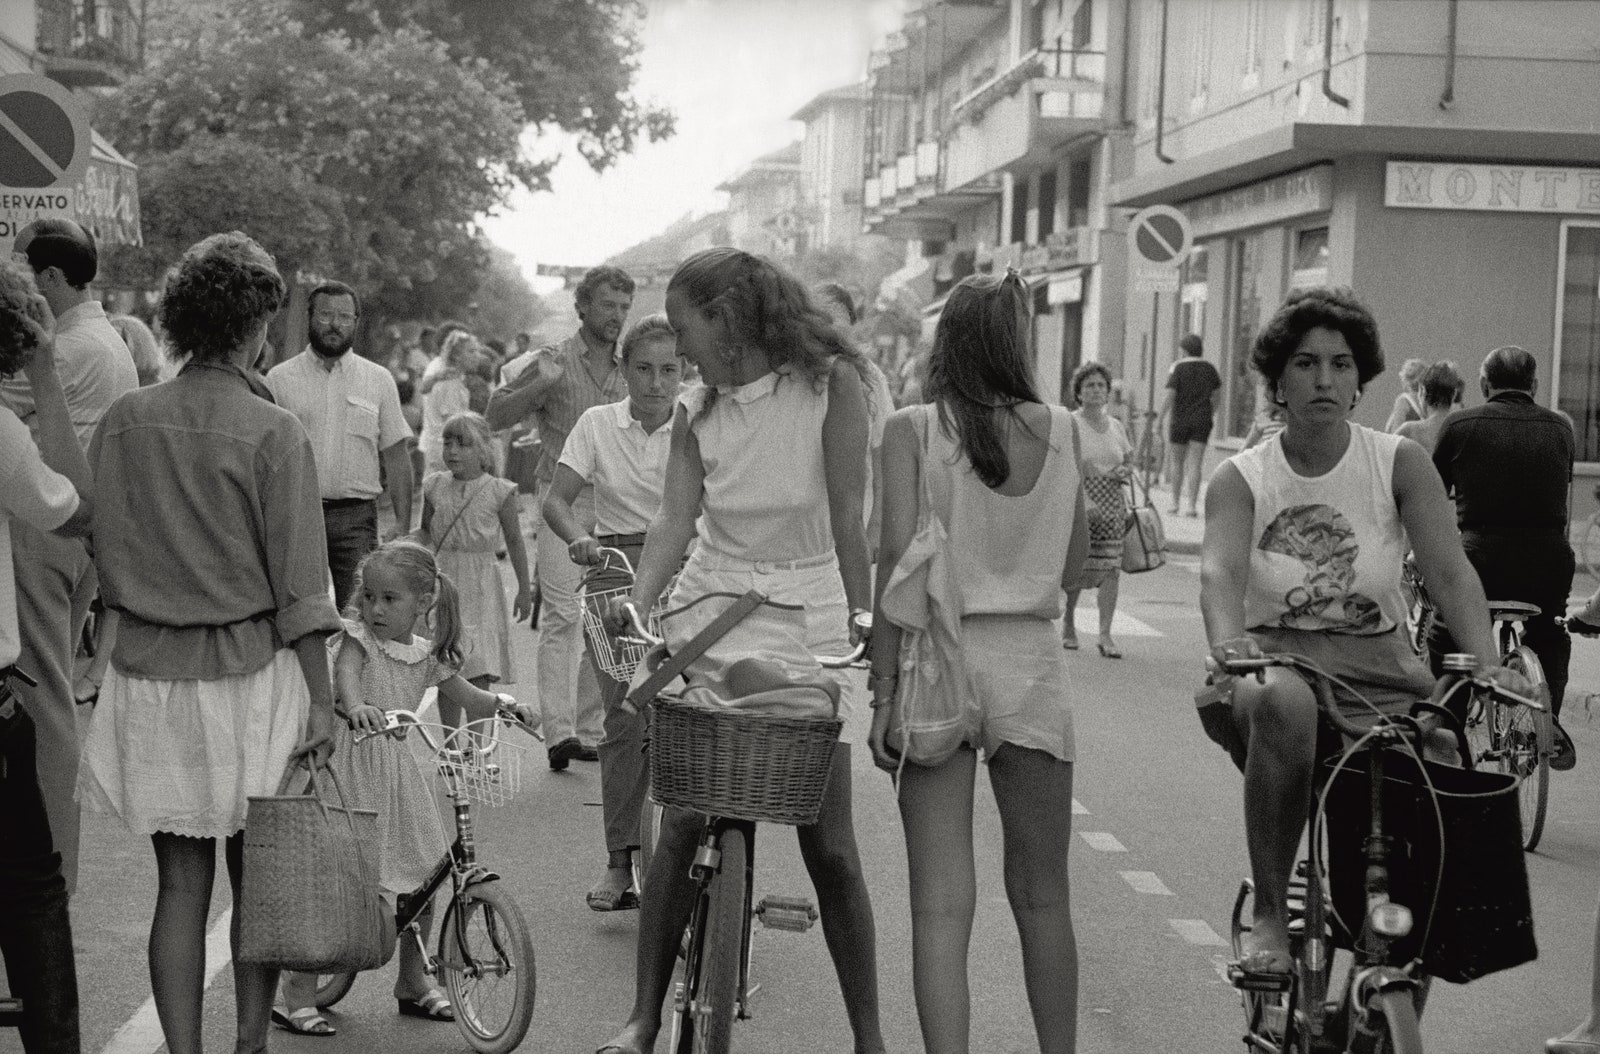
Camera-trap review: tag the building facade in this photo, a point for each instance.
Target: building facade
(1438, 156)
(830, 167)
(764, 214)
(994, 128)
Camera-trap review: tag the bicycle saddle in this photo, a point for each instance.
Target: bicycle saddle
(1511, 611)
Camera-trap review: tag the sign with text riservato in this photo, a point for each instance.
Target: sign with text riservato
(1491, 188)
(44, 149)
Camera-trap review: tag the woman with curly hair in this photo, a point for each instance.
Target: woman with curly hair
(1305, 536)
(209, 542)
(765, 468)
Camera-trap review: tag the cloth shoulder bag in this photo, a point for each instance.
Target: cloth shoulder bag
(1144, 544)
(310, 899)
(933, 697)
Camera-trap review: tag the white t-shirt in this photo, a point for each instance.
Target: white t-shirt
(37, 495)
(627, 466)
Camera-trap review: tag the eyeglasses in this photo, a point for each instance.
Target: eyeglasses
(344, 316)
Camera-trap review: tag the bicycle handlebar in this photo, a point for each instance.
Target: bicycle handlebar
(1324, 693)
(862, 623)
(399, 722)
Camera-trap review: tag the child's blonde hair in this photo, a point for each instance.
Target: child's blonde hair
(419, 570)
(474, 430)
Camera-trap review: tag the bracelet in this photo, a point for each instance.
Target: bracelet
(877, 681)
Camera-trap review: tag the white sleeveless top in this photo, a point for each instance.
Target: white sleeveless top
(1326, 550)
(1006, 552)
(766, 492)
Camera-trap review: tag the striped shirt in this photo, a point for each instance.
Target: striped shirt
(350, 409)
(576, 390)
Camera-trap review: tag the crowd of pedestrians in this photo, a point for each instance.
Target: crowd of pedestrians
(252, 615)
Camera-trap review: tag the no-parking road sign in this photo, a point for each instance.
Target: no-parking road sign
(1161, 238)
(44, 149)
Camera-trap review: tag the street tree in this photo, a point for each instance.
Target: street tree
(571, 63)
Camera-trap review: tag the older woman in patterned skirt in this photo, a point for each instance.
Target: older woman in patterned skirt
(1107, 463)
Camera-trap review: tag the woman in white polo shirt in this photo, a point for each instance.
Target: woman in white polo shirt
(620, 449)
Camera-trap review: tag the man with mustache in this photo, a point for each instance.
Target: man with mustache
(350, 407)
(557, 384)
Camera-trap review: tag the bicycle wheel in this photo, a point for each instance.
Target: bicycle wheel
(649, 831)
(486, 957)
(1524, 746)
(1479, 727)
(332, 987)
(714, 1005)
(1399, 1010)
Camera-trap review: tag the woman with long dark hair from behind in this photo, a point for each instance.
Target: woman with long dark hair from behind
(766, 469)
(1002, 472)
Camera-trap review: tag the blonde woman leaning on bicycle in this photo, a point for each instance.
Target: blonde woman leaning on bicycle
(767, 470)
(1001, 469)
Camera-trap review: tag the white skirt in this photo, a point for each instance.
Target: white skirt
(184, 757)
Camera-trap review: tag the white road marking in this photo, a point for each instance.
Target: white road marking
(1146, 882)
(1078, 809)
(1103, 841)
(141, 1033)
(1122, 625)
(1197, 931)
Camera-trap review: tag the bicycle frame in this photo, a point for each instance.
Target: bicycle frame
(707, 861)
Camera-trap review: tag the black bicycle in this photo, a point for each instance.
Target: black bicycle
(1390, 880)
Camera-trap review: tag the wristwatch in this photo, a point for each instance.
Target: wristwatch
(878, 681)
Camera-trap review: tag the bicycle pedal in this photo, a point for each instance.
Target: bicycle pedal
(795, 914)
(1245, 981)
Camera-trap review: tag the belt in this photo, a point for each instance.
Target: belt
(346, 503)
(717, 562)
(617, 541)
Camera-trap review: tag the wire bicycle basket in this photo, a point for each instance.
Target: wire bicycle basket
(477, 763)
(607, 581)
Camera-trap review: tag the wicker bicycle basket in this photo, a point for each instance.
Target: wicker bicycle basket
(742, 765)
(479, 762)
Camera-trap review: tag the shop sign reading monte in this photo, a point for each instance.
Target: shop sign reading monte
(44, 149)
(1161, 238)
(1491, 188)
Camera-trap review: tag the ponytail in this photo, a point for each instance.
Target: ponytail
(445, 622)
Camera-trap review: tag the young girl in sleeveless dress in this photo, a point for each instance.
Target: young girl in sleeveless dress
(383, 665)
(468, 515)
(1001, 470)
(766, 472)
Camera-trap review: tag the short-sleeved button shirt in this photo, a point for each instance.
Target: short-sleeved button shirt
(32, 492)
(627, 466)
(351, 411)
(560, 405)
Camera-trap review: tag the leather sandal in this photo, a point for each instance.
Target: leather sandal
(307, 1021)
(433, 1005)
(601, 898)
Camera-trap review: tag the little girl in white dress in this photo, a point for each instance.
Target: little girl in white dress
(383, 665)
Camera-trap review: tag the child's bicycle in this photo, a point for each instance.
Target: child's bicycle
(1393, 919)
(737, 767)
(485, 955)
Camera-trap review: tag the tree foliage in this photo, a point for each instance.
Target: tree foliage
(571, 63)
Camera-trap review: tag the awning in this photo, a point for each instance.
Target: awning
(108, 197)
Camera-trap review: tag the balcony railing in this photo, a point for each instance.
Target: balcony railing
(90, 42)
(1079, 72)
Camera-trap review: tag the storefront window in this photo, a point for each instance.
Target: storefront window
(1247, 291)
(1578, 334)
(1192, 293)
(1310, 259)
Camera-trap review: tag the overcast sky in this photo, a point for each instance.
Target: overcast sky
(733, 71)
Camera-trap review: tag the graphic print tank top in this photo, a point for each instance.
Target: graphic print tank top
(1326, 550)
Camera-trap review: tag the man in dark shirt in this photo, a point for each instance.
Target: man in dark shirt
(1509, 463)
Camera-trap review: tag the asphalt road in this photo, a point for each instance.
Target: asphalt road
(1156, 859)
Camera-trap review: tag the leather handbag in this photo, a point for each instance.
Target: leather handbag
(310, 899)
(1145, 542)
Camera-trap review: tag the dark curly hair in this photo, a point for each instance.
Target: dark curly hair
(595, 277)
(768, 308)
(1084, 372)
(224, 287)
(18, 297)
(1322, 307)
(982, 360)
